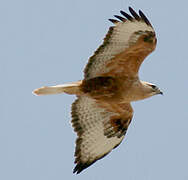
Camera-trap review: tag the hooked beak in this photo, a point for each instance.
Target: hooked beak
(160, 92)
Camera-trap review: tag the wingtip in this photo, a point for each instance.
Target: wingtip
(80, 167)
(144, 18)
(140, 12)
(130, 8)
(121, 11)
(126, 15)
(114, 21)
(120, 18)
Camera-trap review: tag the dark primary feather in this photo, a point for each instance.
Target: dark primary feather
(137, 17)
(120, 18)
(134, 14)
(114, 21)
(81, 166)
(144, 18)
(130, 18)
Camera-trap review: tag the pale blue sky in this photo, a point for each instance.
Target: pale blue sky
(46, 42)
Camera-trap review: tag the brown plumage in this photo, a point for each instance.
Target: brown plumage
(102, 111)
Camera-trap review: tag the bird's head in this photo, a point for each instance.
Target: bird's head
(152, 89)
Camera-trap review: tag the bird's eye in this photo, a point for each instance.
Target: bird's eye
(153, 86)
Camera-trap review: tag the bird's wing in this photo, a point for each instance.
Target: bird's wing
(99, 129)
(124, 48)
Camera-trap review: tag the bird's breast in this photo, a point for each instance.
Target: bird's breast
(113, 89)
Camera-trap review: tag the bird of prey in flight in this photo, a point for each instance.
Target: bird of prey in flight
(102, 111)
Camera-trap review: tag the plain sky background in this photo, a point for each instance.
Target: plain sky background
(46, 42)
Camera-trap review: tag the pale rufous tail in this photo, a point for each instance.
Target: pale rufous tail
(72, 88)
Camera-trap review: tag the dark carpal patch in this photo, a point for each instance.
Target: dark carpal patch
(117, 127)
(149, 37)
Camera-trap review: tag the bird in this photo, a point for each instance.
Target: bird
(102, 111)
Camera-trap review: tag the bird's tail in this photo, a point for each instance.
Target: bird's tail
(72, 88)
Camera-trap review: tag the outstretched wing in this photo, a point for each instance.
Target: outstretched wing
(124, 48)
(99, 129)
